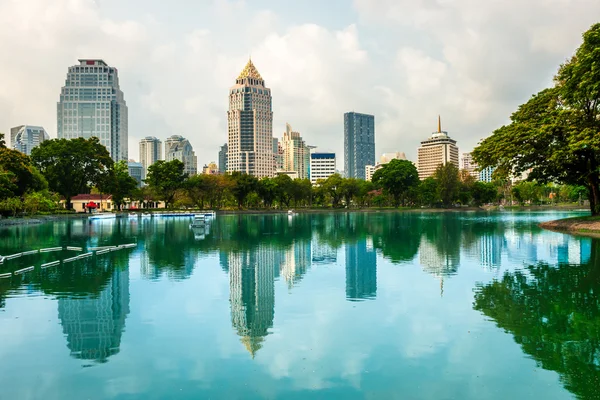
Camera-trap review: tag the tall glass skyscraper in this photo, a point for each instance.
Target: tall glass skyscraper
(359, 143)
(92, 104)
(24, 138)
(250, 125)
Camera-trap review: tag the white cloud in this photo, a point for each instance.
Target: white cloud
(404, 61)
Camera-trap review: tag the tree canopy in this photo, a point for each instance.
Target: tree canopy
(72, 166)
(119, 183)
(165, 178)
(555, 136)
(397, 178)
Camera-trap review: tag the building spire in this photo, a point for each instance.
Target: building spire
(250, 71)
(439, 124)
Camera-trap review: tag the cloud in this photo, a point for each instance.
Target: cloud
(403, 61)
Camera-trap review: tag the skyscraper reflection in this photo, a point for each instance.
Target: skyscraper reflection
(252, 294)
(361, 270)
(93, 324)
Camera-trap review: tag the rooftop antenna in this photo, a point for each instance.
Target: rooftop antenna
(439, 124)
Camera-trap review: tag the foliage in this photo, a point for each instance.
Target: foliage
(429, 192)
(71, 166)
(349, 188)
(118, 183)
(397, 178)
(333, 187)
(483, 193)
(556, 134)
(11, 205)
(448, 183)
(2, 142)
(22, 174)
(165, 178)
(242, 186)
(198, 189)
(42, 201)
(284, 185)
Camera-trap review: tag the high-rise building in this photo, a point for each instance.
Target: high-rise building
(468, 164)
(136, 171)
(485, 175)
(179, 148)
(438, 150)
(278, 154)
(210, 169)
(361, 270)
(322, 166)
(93, 324)
(296, 154)
(385, 158)
(250, 125)
(24, 138)
(359, 143)
(223, 159)
(150, 151)
(92, 104)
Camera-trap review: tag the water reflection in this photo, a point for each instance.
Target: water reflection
(553, 312)
(361, 270)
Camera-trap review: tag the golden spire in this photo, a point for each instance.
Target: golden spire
(252, 344)
(439, 124)
(250, 71)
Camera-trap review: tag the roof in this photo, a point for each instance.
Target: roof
(250, 71)
(91, 197)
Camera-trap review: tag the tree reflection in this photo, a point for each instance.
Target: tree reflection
(554, 315)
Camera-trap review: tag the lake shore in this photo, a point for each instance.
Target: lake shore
(588, 226)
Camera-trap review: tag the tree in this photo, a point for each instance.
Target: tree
(198, 189)
(2, 142)
(284, 189)
(71, 166)
(118, 183)
(396, 178)
(242, 186)
(556, 134)
(301, 190)
(165, 178)
(448, 183)
(332, 186)
(7, 184)
(267, 190)
(43, 201)
(483, 193)
(350, 187)
(22, 173)
(429, 192)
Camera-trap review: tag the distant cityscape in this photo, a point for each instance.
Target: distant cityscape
(91, 104)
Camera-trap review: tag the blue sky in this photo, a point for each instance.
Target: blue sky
(403, 61)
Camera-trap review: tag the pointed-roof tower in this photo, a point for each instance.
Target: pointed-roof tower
(251, 74)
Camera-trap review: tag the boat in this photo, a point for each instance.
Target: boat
(133, 215)
(146, 215)
(291, 212)
(103, 216)
(199, 232)
(199, 221)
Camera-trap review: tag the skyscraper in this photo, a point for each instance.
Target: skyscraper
(92, 104)
(296, 154)
(223, 159)
(179, 148)
(250, 125)
(24, 138)
(468, 164)
(136, 171)
(150, 151)
(359, 143)
(438, 150)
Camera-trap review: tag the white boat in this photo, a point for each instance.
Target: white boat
(146, 215)
(133, 215)
(199, 221)
(291, 212)
(103, 216)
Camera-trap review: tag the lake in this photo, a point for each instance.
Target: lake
(311, 306)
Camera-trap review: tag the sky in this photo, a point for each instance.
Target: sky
(405, 61)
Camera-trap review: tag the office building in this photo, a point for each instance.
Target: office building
(485, 175)
(296, 154)
(210, 169)
(385, 158)
(223, 159)
(322, 166)
(359, 143)
(278, 154)
(250, 125)
(438, 150)
(179, 148)
(467, 164)
(136, 171)
(92, 104)
(24, 138)
(150, 151)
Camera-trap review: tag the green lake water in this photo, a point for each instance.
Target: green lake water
(322, 306)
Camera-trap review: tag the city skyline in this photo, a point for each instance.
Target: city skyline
(319, 61)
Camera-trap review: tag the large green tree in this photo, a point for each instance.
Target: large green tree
(198, 188)
(17, 167)
(448, 182)
(119, 183)
(333, 187)
(165, 178)
(397, 178)
(556, 134)
(72, 166)
(242, 186)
